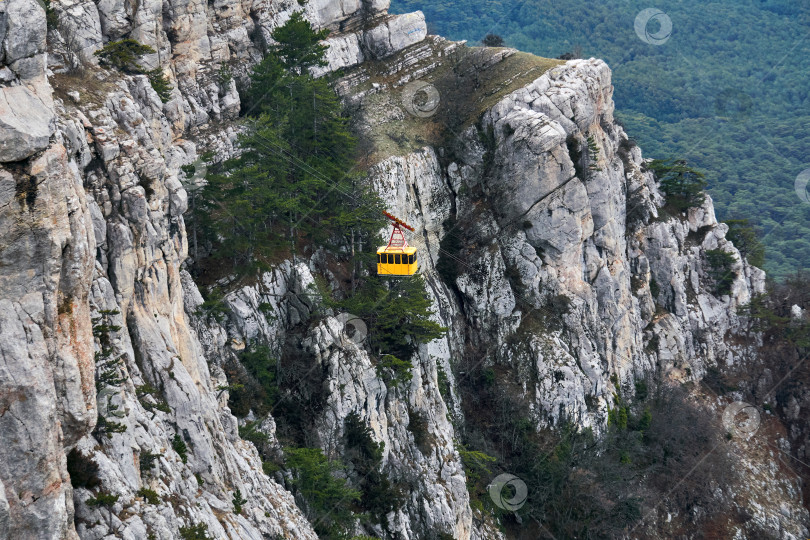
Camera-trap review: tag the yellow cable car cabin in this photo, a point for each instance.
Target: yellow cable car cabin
(401, 262)
(397, 259)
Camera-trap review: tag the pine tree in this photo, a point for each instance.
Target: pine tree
(294, 180)
(683, 185)
(298, 44)
(398, 316)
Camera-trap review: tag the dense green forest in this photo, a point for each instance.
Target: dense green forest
(727, 92)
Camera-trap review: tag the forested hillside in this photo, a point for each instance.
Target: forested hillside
(727, 91)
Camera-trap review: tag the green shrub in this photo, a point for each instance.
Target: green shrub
(394, 371)
(224, 76)
(477, 469)
(418, 426)
(195, 532)
(378, 495)
(249, 432)
(298, 45)
(641, 390)
(123, 55)
(102, 499)
(147, 460)
(51, 17)
(643, 423)
(270, 468)
(444, 384)
(213, 305)
(179, 446)
(492, 40)
(397, 315)
(238, 502)
(746, 240)
(160, 84)
(108, 427)
(720, 263)
(362, 449)
(654, 288)
(293, 178)
(488, 377)
(254, 383)
(147, 390)
(593, 154)
(683, 186)
(149, 495)
(329, 498)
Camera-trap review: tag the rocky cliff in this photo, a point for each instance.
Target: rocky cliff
(567, 276)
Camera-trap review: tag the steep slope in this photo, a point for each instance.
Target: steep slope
(94, 240)
(565, 276)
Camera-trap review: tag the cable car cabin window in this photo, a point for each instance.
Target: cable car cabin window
(379, 258)
(390, 259)
(397, 259)
(411, 258)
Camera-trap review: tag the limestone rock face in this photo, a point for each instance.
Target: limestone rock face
(555, 248)
(26, 107)
(566, 275)
(47, 391)
(395, 34)
(110, 366)
(26, 123)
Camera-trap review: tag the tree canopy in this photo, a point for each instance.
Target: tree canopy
(294, 179)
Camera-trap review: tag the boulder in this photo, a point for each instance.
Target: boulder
(26, 123)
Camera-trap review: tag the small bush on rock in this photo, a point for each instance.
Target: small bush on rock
(238, 502)
(179, 446)
(149, 495)
(683, 185)
(195, 532)
(123, 56)
(720, 263)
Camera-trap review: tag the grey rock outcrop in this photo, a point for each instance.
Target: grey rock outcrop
(26, 108)
(47, 392)
(559, 230)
